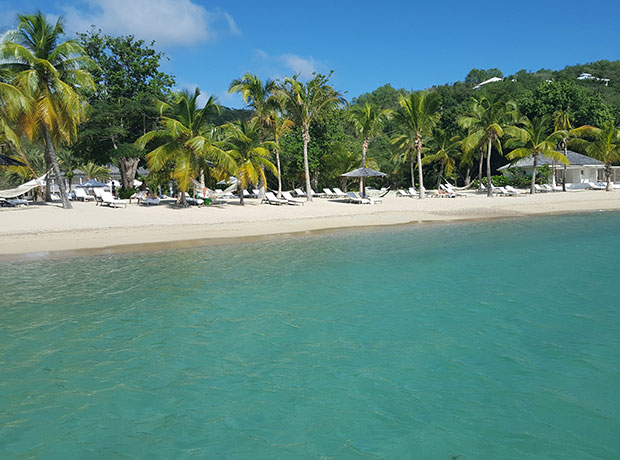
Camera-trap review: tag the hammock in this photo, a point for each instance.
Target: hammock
(24, 188)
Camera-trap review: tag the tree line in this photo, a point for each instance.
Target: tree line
(97, 99)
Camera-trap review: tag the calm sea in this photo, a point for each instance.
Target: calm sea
(494, 340)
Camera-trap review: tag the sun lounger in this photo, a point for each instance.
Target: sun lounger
(539, 189)
(339, 193)
(329, 194)
(289, 198)
(272, 199)
(150, 201)
(448, 188)
(80, 194)
(318, 195)
(596, 186)
(401, 193)
(111, 200)
(353, 198)
(548, 188)
(513, 191)
(299, 192)
(372, 200)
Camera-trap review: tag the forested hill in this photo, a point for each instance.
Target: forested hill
(591, 100)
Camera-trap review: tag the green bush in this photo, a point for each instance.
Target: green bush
(124, 193)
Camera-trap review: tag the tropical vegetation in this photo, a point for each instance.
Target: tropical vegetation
(81, 106)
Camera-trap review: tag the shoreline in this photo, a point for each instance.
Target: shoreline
(46, 233)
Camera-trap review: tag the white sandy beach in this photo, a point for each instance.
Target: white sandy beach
(45, 229)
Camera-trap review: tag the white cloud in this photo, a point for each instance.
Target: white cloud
(302, 66)
(289, 63)
(168, 22)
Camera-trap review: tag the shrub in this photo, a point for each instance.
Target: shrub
(124, 193)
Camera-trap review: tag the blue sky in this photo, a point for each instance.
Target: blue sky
(409, 44)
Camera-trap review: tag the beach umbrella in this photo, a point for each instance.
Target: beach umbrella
(8, 161)
(92, 183)
(364, 172)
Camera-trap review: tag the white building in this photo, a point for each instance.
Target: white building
(581, 171)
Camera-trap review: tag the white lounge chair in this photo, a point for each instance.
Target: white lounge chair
(299, 192)
(329, 194)
(450, 189)
(513, 191)
(372, 200)
(272, 199)
(401, 193)
(538, 188)
(596, 186)
(111, 200)
(80, 194)
(353, 198)
(150, 201)
(339, 193)
(289, 198)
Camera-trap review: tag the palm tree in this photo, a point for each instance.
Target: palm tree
(418, 116)
(602, 144)
(50, 74)
(562, 122)
(532, 139)
(94, 171)
(279, 125)
(258, 96)
(305, 103)
(446, 148)
(251, 156)
(368, 121)
(486, 122)
(188, 142)
(12, 103)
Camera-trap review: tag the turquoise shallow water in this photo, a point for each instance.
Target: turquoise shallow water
(494, 340)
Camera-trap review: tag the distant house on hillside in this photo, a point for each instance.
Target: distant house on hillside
(486, 82)
(589, 76)
(581, 171)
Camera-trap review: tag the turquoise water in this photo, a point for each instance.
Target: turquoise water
(495, 340)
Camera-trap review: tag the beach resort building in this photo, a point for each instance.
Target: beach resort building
(582, 170)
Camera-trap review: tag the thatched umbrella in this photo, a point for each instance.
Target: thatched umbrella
(8, 161)
(364, 172)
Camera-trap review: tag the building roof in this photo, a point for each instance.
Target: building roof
(576, 159)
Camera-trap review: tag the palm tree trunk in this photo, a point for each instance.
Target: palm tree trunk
(439, 176)
(489, 189)
(183, 200)
(467, 177)
(279, 173)
(49, 149)
(564, 178)
(364, 149)
(306, 137)
(534, 174)
(553, 174)
(412, 170)
(608, 176)
(421, 188)
(240, 193)
(480, 168)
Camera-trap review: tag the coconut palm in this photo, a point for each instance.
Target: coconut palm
(50, 74)
(418, 116)
(279, 125)
(368, 121)
(305, 102)
(486, 123)
(94, 171)
(251, 156)
(602, 144)
(446, 148)
(534, 138)
(12, 103)
(188, 142)
(562, 122)
(258, 96)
